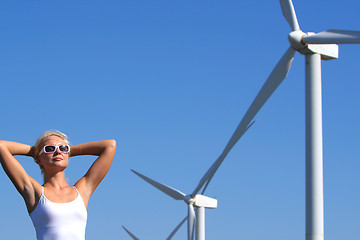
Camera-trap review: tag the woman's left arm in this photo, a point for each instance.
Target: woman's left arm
(105, 150)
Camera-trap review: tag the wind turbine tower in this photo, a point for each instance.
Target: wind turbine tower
(315, 47)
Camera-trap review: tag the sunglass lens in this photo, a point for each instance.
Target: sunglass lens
(50, 148)
(64, 148)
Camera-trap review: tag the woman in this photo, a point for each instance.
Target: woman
(58, 211)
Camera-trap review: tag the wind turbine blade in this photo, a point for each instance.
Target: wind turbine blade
(191, 222)
(239, 132)
(211, 172)
(176, 229)
(333, 37)
(131, 235)
(176, 194)
(288, 11)
(275, 78)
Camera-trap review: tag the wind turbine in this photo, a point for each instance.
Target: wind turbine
(199, 201)
(315, 47)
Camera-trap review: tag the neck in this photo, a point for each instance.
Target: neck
(56, 179)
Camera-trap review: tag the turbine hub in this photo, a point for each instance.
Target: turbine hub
(327, 51)
(295, 39)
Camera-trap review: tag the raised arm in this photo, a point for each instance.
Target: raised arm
(17, 174)
(106, 151)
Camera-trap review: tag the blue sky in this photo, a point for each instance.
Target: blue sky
(170, 81)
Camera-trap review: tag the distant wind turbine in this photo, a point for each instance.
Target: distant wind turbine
(199, 201)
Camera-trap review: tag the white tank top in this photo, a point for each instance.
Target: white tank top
(59, 221)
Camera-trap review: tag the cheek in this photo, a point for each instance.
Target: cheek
(67, 158)
(43, 158)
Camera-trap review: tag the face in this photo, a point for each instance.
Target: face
(54, 160)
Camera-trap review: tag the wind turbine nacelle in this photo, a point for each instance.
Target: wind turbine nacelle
(206, 202)
(327, 51)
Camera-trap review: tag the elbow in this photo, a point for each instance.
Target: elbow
(111, 147)
(111, 144)
(107, 147)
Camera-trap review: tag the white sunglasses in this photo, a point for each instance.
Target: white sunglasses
(53, 148)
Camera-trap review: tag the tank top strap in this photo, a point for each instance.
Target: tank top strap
(42, 191)
(76, 190)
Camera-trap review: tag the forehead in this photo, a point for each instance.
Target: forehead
(54, 140)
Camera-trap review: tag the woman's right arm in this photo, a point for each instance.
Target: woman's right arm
(17, 174)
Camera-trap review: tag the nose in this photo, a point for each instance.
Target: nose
(57, 151)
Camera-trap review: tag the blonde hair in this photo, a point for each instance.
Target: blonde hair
(40, 141)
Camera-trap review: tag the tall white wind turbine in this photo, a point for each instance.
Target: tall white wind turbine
(315, 47)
